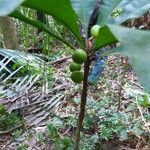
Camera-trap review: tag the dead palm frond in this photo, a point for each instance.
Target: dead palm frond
(17, 72)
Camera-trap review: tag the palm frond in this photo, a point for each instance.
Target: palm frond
(15, 72)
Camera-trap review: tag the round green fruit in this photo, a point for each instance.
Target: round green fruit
(77, 76)
(74, 67)
(79, 56)
(95, 30)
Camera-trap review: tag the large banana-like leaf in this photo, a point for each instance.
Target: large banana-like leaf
(84, 10)
(133, 43)
(60, 10)
(7, 6)
(118, 11)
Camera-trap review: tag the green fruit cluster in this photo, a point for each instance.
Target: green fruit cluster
(79, 57)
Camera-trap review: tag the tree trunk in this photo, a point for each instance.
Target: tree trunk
(9, 32)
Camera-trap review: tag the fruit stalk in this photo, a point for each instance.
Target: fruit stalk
(83, 102)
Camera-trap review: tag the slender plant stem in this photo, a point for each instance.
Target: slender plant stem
(83, 103)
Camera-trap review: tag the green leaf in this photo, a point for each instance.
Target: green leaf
(61, 10)
(136, 45)
(145, 101)
(84, 10)
(104, 38)
(106, 8)
(118, 11)
(8, 6)
(16, 14)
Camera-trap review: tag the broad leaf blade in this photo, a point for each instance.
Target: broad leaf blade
(105, 37)
(84, 10)
(16, 14)
(130, 9)
(106, 8)
(8, 6)
(60, 10)
(122, 10)
(136, 45)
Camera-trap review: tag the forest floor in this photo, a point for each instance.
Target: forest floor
(116, 92)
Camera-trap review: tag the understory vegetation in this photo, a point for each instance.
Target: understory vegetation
(99, 100)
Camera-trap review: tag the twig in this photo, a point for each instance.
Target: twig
(59, 60)
(11, 130)
(136, 84)
(67, 131)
